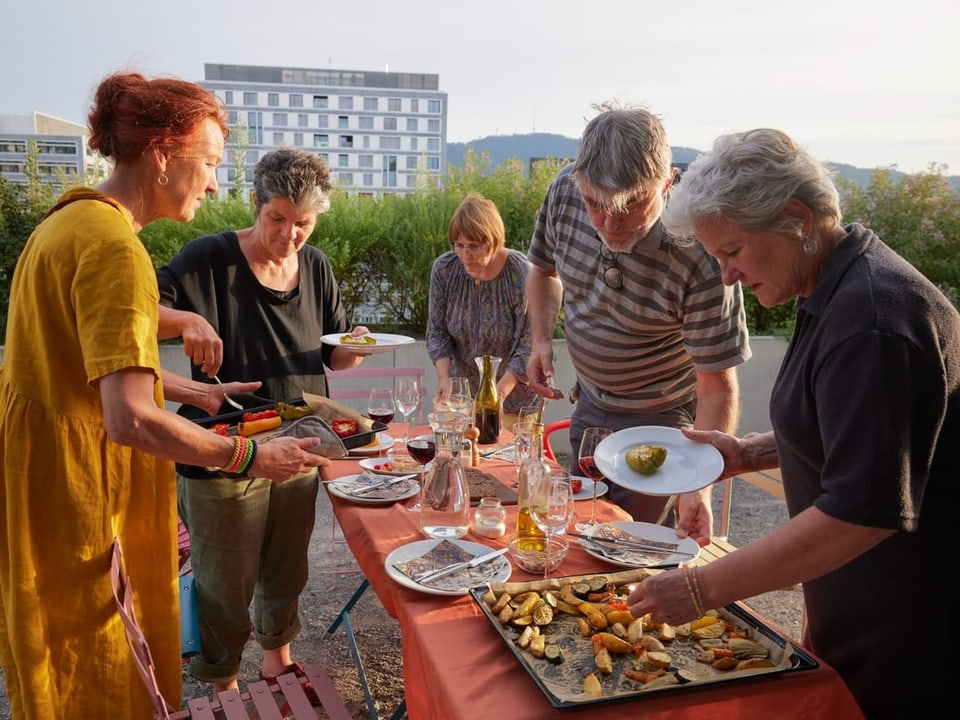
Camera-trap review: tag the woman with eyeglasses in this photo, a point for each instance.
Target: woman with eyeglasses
(478, 306)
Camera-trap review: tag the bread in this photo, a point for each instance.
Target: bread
(481, 484)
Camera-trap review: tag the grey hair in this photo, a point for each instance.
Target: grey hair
(623, 149)
(293, 174)
(748, 178)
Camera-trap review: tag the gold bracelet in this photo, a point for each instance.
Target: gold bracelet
(696, 589)
(697, 604)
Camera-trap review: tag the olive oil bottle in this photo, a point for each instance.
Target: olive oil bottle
(529, 536)
(487, 413)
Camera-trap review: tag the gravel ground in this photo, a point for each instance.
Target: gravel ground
(753, 514)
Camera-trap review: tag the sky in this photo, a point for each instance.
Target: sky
(869, 83)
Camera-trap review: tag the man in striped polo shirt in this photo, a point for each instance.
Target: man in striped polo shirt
(653, 333)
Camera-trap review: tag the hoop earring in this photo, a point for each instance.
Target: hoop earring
(810, 246)
(163, 179)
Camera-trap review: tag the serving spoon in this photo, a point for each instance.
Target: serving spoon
(230, 401)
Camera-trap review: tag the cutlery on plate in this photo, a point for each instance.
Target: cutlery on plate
(475, 562)
(493, 451)
(381, 486)
(629, 545)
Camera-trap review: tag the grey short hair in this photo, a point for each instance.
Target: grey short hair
(293, 174)
(624, 148)
(748, 178)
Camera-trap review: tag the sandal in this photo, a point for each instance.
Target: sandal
(297, 669)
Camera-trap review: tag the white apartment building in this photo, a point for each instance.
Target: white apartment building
(380, 132)
(61, 149)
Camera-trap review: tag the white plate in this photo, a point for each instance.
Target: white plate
(689, 466)
(371, 463)
(385, 343)
(586, 492)
(413, 550)
(384, 442)
(341, 487)
(648, 531)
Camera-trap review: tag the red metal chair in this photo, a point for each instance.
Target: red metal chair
(547, 432)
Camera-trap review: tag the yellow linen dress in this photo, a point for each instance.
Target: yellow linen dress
(83, 305)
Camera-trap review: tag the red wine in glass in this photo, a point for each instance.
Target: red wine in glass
(589, 468)
(423, 450)
(382, 415)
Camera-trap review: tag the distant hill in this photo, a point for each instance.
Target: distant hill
(541, 145)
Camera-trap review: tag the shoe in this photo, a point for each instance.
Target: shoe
(297, 669)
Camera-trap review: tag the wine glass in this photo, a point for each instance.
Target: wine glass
(422, 448)
(551, 507)
(408, 398)
(457, 395)
(588, 445)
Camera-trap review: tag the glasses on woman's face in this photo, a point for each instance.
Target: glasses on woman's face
(468, 248)
(612, 274)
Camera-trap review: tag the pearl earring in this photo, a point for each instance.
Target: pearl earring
(810, 246)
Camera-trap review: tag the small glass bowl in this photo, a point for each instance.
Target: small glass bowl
(532, 561)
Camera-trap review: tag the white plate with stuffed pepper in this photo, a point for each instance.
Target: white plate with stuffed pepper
(368, 344)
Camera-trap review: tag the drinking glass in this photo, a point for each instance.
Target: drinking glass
(588, 445)
(380, 406)
(422, 448)
(522, 430)
(408, 398)
(551, 507)
(457, 395)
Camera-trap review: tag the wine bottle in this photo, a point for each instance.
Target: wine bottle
(487, 417)
(529, 535)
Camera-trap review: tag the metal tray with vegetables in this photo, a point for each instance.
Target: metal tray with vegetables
(581, 645)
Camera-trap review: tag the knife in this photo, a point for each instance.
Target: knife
(475, 562)
(630, 545)
(381, 486)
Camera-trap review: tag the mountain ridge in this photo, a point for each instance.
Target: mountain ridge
(542, 145)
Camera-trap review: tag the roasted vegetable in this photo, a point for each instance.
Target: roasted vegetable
(254, 427)
(646, 459)
(262, 415)
(553, 653)
(344, 427)
(358, 340)
(221, 429)
(293, 412)
(592, 686)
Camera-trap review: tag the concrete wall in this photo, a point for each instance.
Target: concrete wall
(756, 376)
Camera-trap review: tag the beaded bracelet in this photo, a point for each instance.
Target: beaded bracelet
(694, 596)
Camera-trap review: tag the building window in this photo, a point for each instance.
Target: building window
(411, 162)
(389, 123)
(411, 181)
(345, 102)
(371, 103)
(366, 122)
(278, 138)
(280, 119)
(296, 100)
(321, 102)
(414, 143)
(343, 160)
(393, 104)
(303, 120)
(252, 157)
(249, 98)
(412, 125)
(433, 125)
(298, 139)
(346, 141)
(389, 171)
(433, 162)
(433, 144)
(368, 179)
(365, 161)
(366, 142)
(343, 122)
(228, 97)
(345, 179)
(414, 105)
(322, 121)
(321, 141)
(231, 117)
(255, 127)
(273, 99)
(325, 157)
(390, 143)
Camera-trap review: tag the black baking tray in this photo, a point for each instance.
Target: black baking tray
(350, 442)
(618, 688)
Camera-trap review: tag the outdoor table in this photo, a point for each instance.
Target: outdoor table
(456, 665)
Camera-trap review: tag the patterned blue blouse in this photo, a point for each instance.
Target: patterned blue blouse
(468, 319)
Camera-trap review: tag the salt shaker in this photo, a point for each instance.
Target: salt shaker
(490, 518)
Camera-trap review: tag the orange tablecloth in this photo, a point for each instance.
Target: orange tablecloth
(456, 665)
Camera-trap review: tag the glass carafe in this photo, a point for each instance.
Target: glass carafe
(445, 496)
(533, 468)
(487, 403)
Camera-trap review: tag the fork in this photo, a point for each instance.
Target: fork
(230, 400)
